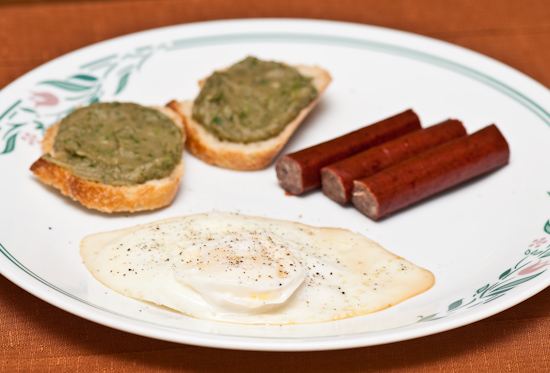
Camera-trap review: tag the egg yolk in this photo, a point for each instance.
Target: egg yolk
(241, 272)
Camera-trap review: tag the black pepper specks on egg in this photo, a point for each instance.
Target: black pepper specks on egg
(243, 261)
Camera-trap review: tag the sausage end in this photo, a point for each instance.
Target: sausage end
(365, 201)
(289, 173)
(333, 186)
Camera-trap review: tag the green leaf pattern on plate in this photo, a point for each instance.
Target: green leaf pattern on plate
(68, 86)
(122, 83)
(10, 144)
(529, 267)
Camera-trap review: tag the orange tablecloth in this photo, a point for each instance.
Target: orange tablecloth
(35, 336)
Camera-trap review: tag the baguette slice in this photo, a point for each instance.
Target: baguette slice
(245, 157)
(108, 198)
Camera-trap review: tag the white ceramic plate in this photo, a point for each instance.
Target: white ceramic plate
(486, 241)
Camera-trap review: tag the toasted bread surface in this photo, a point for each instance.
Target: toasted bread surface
(108, 198)
(245, 157)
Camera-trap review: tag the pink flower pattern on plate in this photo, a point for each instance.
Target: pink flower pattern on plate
(533, 268)
(538, 242)
(30, 138)
(44, 99)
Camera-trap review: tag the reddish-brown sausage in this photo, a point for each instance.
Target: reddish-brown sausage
(337, 178)
(299, 172)
(430, 172)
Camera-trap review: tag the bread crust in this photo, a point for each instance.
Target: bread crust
(109, 198)
(244, 157)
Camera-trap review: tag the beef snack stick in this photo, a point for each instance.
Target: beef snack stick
(299, 172)
(337, 178)
(430, 172)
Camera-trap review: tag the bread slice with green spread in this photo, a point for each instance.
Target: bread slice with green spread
(209, 142)
(111, 193)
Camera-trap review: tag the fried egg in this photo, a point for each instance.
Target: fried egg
(242, 269)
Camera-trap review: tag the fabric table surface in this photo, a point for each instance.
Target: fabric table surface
(38, 337)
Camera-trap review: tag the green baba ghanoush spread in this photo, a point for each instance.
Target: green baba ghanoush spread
(252, 100)
(117, 144)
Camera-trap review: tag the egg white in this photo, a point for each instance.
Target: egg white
(242, 269)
